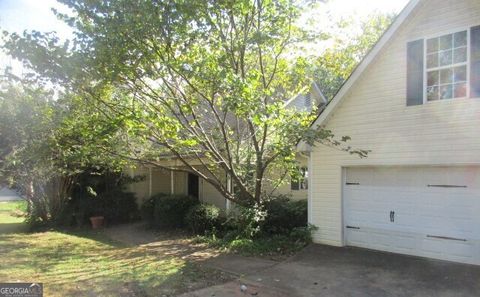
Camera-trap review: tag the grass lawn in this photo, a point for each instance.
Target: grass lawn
(88, 264)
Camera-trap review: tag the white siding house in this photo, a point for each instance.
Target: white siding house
(418, 191)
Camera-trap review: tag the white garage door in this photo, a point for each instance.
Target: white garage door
(425, 211)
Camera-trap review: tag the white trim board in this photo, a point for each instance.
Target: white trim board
(387, 36)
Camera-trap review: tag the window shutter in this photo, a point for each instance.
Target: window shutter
(475, 62)
(415, 72)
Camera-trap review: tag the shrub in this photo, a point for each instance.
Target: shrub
(203, 218)
(284, 215)
(119, 206)
(102, 194)
(167, 211)
(265, 244)
(245, 222)
(148, 207)
(302, 234)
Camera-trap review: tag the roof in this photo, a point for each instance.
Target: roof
(363, 65)
(305, 100)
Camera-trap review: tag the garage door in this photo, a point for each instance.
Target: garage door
(425, 211)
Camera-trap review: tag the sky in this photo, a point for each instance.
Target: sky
(20, 15)
(365, 7)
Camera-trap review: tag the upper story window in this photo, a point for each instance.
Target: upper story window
(444, 67)
(447, 66)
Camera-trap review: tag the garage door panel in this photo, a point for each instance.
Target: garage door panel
(448, 249)
(426, 211)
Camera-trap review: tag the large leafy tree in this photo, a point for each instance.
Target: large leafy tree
(202, 82)
(43, 150)
(29, 158)
(334, 66)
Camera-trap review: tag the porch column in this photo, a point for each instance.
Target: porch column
(228, 203)
(310, 187)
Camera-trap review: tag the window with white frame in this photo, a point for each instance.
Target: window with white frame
(446, 66)
(301, 182)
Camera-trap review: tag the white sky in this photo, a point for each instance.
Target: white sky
(20, 15)
(365, 7)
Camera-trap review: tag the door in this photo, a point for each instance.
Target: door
(193, 185)
(425, 211)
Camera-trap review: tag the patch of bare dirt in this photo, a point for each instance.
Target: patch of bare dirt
(174, 244)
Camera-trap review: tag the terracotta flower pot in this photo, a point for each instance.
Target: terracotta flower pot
(97, 222)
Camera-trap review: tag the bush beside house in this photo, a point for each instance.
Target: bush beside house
(204, 218)
(163, 211)
(278, 226)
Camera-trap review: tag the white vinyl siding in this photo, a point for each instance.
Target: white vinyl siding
(375, 115)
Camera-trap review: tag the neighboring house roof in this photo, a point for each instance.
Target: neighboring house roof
(362, 66)
(305, 102)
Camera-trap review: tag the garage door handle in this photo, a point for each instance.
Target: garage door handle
(353, 227)
(445, 186)
(446, 237)
(392, 216)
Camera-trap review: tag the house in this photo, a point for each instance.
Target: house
(414, 102)
(184, 183)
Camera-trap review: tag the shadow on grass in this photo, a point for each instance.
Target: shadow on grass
(9, 228)
(82, 262)
(89, 234)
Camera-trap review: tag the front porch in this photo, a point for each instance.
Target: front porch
(174, 182)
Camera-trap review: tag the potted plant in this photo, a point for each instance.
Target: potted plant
(97, 221)
(96, 216)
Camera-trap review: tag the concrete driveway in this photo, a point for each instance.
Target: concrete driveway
(330, 271)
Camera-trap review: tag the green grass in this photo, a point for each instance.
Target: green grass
(10, 216)
(87, 263)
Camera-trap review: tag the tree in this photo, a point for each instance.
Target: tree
(43, 150)
(27, 124)
(335, 65)
(203, 82)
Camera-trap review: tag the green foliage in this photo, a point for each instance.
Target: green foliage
(147, 208)
(284, 215)
(266, 245)
(244, 222)
(101, 193)
(203, 218)
(279, 227)
(163, 211)
(44, 148)
(205, 81)
(335, 65)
